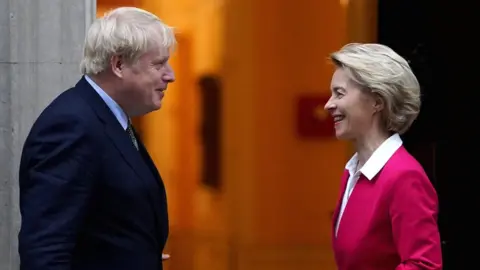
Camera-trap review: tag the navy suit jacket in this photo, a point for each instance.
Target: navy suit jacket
(88, 199)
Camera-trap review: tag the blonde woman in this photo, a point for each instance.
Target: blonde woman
(386, 216)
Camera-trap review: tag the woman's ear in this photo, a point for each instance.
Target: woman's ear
(379, 104)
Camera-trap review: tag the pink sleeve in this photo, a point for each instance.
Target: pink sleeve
(413, 212)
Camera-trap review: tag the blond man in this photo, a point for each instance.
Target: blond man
(90, 196)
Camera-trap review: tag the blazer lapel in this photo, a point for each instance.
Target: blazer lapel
(142, 169)
(148, 159)
(159, 201)
(122, 142)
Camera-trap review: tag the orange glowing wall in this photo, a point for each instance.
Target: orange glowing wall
(105, 5)
(279, 190)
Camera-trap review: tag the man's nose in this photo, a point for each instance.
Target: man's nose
(169, 75)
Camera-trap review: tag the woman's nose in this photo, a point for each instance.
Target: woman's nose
(329, 105)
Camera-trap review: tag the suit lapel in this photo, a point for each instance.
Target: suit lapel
(160, 201)
(148, 160)
(123, 143)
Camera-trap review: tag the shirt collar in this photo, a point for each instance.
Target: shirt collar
(378, 159)
(112, 105)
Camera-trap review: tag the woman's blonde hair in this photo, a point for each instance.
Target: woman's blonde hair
(384, 73)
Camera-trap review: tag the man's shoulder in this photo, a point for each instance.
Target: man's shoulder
(68, 108)
(69, 103)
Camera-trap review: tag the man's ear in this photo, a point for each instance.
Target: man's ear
(117, 65)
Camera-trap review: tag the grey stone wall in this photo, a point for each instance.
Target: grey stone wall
(40, 48)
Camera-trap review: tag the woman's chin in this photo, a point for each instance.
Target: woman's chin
(342, 135)
(339, 132)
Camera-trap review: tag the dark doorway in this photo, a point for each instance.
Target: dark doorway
(210, 92)
(437, 37)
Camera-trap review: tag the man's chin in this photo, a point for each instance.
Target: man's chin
(156, 106)
(146, 110)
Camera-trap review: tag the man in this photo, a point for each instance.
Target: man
(90, 196)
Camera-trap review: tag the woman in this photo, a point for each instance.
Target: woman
(386, 216)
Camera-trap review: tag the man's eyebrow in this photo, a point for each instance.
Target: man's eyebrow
(161, 60)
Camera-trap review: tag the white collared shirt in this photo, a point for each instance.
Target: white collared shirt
(371, 168)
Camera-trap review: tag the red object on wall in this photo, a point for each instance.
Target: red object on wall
(312, 120)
